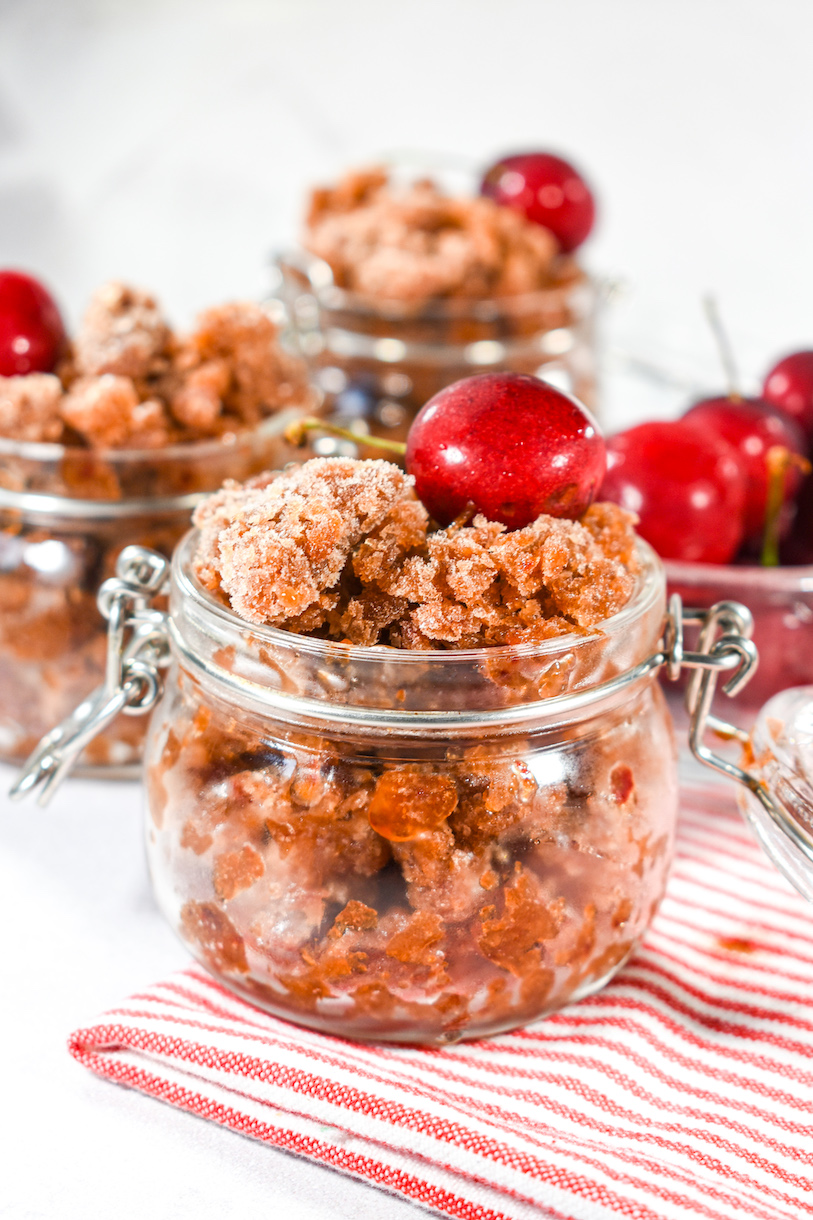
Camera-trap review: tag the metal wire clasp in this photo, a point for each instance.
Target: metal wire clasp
(137, 649)
(724, 647)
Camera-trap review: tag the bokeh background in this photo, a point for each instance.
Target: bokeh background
(172, 143)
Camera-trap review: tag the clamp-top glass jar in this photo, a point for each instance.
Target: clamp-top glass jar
(401, 845)
(65, 515)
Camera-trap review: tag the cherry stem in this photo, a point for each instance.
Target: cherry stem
(724, 348)
(779, 460)
(297, 434)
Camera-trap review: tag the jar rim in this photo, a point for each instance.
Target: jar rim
(53, 506)
(51, 451)
(787, 578)
(648, 589)
(319, 276)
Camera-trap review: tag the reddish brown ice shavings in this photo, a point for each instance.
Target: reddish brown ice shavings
(523, 925)
(106, 410)
(122, 332)
(356, 915)
(236, 871)
(196, 838)
(275, 549)
(130, 382)
(342, 549)
(235, 354)
(417, 942)
(517, 890)
(622, 783)
(413, 244)
(406, 804)
(29, 407)
(221, 946)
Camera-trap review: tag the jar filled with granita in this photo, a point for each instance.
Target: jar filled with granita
(115, 447)
(399, 289)
(408, 783)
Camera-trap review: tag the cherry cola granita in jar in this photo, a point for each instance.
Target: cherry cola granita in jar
(394, 790)
(108, 439)
(410, 775)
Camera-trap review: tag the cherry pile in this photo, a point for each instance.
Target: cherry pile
(725, 484)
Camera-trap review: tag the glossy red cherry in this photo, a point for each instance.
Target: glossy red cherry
(508, 444)
(686, 485)
(752, 428)
(31, 330)
(548, 191)
(789, 386)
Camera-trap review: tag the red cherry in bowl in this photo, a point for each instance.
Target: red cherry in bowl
(31, 330)
(548, 191)
(687, 487)
(797, 547)
(789, 386)
(752, 428)
(508, 444)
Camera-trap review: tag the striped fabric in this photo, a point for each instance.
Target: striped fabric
(684, 1089)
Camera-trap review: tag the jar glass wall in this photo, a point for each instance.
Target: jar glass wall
(382, 361)
(65, 515)
(409, 846)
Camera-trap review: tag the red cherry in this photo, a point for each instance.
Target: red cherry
(797, 548)
(546, 189)
(789, 386)
(31, 330)
(686, 485)
(508, 443)
(752, 427)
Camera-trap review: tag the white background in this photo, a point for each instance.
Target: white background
(171, 144)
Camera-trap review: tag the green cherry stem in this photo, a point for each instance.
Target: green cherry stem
(779, 461)
(297, 434)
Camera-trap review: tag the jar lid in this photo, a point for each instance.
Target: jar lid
(778, 803)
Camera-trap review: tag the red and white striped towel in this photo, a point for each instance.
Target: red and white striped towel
(684, 1089)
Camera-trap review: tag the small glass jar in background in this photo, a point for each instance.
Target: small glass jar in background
(409, 846)
(65, 515)
(378, 363)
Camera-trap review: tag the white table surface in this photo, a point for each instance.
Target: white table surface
(171, 143)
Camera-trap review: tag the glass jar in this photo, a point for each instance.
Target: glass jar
(381, 361)
(781, 603)
(65, 515)
(409, 846)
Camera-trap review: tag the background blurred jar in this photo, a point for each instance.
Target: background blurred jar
(65, 515)
(378, 363)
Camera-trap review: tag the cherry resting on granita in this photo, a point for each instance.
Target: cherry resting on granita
(752, 428)
(546, 190)
(507, 445)
(31, 330)
(686, 485)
